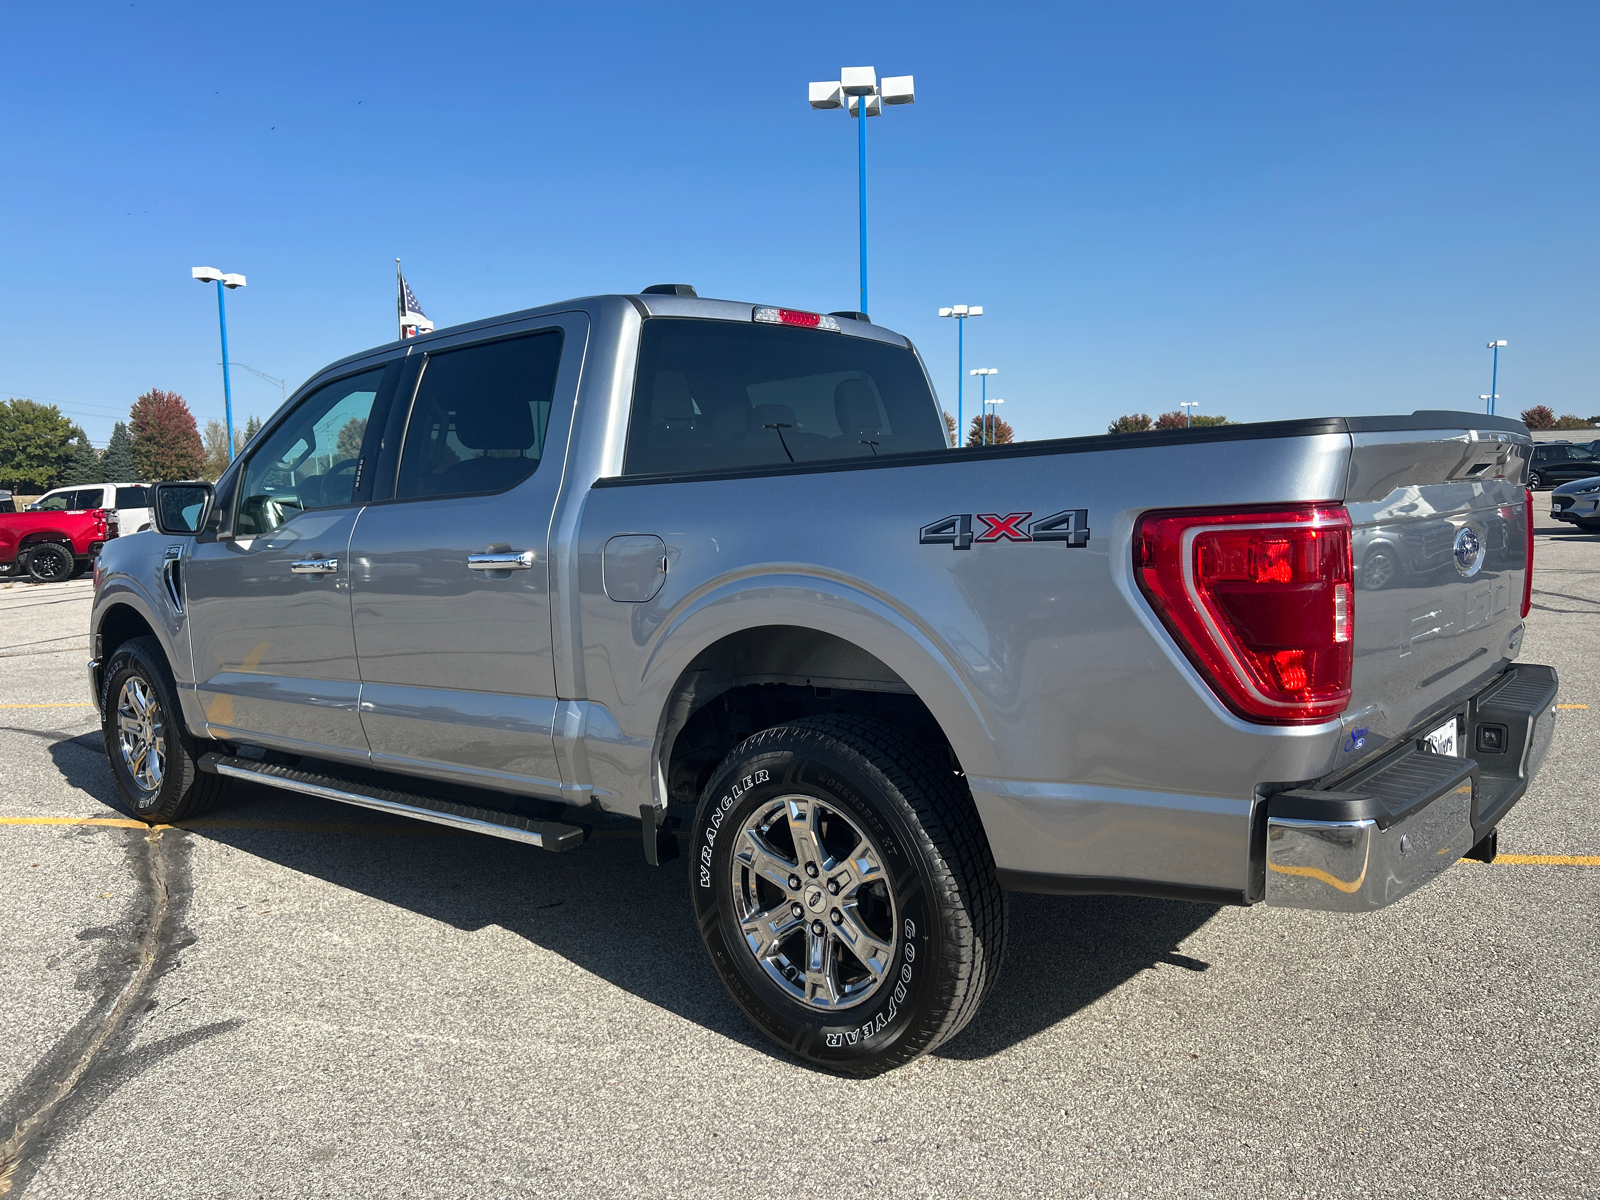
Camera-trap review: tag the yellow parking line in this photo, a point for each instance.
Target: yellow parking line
(1572, 706)
(1546, 860)
(63, 704)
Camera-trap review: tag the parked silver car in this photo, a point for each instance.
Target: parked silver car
(693, 561)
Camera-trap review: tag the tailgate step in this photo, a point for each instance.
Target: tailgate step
(549, 835)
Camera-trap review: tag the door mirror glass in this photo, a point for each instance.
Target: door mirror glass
(182, 507)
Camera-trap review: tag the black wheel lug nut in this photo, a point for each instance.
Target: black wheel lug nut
(811, 870)
(837, 917)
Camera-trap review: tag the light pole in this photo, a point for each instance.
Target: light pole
(960, 312)
(985, 372)
(991, 431)
(859, 90)
(1494, 379)
(1488, 403)
(1186, 405)
(212, 275)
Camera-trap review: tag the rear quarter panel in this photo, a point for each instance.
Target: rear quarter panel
(1091, 745)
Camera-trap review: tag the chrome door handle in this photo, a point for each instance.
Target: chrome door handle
(314, 566)
(508, 560)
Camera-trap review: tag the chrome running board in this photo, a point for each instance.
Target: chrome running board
(548, 835)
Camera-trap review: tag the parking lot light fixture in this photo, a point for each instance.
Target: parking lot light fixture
(1186, 405)
(960, 312)
(225, 284)
(1494, 378)
(984, 372)
(862, 94)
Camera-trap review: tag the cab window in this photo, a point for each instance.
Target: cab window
(479, 419)
(310, 461)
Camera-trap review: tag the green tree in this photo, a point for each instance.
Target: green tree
(84, 466)
(1132, 423)
(35, 445)
(251, 428)
(1198, 421)
(118, 461)
(166, 443)
(349, 443)
(1572, 421)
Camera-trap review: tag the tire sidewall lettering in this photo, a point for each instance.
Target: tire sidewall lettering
(849, 1034)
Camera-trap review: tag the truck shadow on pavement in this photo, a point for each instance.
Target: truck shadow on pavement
(603, 909)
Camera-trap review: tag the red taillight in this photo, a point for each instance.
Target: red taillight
(1260, 601)
(1527, 567)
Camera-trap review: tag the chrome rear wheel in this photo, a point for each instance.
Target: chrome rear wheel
(813, 902)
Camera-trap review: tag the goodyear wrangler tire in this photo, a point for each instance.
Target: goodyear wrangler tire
(846, 893)
(152, 759)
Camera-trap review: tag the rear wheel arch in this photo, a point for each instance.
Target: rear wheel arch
(765, 676)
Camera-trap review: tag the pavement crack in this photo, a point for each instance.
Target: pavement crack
(129, 967)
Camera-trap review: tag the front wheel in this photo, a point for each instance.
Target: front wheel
(152, 760)
(50, 563)
(1535, 483)
(846, 893)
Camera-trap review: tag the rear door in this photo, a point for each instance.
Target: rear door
(268, 596)
(451, 581)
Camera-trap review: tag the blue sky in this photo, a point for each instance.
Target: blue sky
(1274, 209)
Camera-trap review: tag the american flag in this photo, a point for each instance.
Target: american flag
(412, 319)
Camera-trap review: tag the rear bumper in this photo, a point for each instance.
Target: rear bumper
(1407, 818)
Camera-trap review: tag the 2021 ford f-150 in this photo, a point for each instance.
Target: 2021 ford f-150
(630, 553)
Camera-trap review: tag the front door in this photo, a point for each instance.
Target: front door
(451, 582)
(268, 600)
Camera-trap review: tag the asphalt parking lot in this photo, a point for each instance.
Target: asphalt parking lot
(292, 998)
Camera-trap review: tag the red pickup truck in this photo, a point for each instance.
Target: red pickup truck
(52, 546)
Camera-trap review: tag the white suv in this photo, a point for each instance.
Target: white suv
(129, 501)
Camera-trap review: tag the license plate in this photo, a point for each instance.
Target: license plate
(1443, 739)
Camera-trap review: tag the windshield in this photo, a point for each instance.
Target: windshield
(719, 394)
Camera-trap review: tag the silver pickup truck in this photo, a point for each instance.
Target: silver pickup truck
(713, 567)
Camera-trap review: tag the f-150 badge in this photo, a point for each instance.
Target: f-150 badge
(1070, 525)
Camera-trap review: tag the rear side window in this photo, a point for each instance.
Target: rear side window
(479, 419)
(714, 394)
(133, 497)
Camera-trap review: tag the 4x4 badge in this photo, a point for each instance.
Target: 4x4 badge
(1070, 526)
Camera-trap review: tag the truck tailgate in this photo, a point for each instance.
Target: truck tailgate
(1441, 555)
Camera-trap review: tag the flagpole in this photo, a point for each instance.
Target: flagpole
(400, 299)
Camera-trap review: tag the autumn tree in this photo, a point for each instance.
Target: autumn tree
(1132, 423)
(118, 460)
(1539, 417)
(998, 432)
(950, 429)
(215, 441)
(35, 445)
(1172, 420)
(166, 444)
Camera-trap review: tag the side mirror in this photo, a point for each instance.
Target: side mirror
(182, 508)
